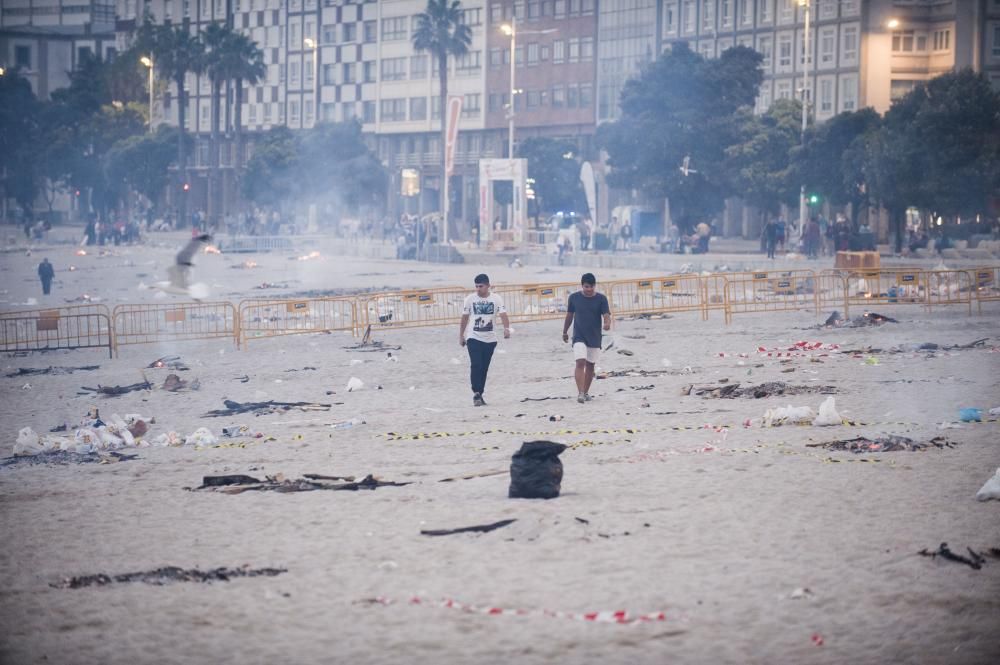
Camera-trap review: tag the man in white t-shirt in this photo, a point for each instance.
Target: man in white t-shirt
(481, 338)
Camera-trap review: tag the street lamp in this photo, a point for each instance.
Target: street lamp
(312, 44)
(511, 31)
(147, 60)
(893, 23)
(805, 105)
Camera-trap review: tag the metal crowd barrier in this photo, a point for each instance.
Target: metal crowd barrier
(147, 324)
(271, 318)
(987, 283)
(949, 287)
(412, 309)
(673, 293)
(770, 294)
(535, 302)
(885, 287)
(82, 327)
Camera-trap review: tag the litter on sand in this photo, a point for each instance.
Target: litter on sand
(112, 391)
(261, 408)
(991, 489)
(890, 443)
(481, 528)
(278, 483)
(975, 560)
(166, 575)
(63, 458)
(168, 362)
(769, 389)
(33, 371)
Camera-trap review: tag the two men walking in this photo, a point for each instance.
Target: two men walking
(587, 311)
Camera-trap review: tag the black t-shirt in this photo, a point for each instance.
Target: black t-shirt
(587, 314)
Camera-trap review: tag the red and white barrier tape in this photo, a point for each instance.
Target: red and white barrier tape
(607, 616)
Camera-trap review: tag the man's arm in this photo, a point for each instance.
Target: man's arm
(506, 325)
(606, 314)
(461, 329)
(607, 322)
(566, 324)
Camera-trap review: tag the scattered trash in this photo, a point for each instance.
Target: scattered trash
(64, 457)
(168, 362)
(347, 424)
(884, 444)
(828, 415)
(768, 389)
(535, 471)
(817, 639)
(555, 418)
(974, 560)
(970, 415)
(788, 415)
(484, 474)
(167, 574)
(991, 489)
(482, 528)
(871, 360)
(201, 437)
(801, 592)
(174, 383)
(261, 408)
(995, 411)
(278, 483)
(32, 371)
(111, 391)
(947, 425)
(354, 383)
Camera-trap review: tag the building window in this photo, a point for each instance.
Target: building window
(586, 95)
(828, 47)
(900, 88)
(371, 32)
(783, 89)
(329, 34)
(558, 97)
(468, 64)
(558, 51)
(329, 112)
(472, 17)
(766, 12)
(996, 41)
(471, 106)
(368, 112)
(393, 110)
(349, 72)
(22, 57)
(418, 108)
(850, 7)
(746, 12)
(496, 12)
(826, 96)
(496, 58)
(849, 45)
(418, 67)
(764, 98)
(786, 11)
(394, 29)
(393, 69)
(942, 40)
(688, 17)
(669, 18)
(827, 9)
(765, 46)
(848, 92)
(902, 41)
(707, 15)
(726, 14)
(369, 73)
(350, 32)
(586, 49)
(784, 53)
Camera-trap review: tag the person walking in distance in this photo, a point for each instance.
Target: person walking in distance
(481, 340)
(586, 311)
(45, 273)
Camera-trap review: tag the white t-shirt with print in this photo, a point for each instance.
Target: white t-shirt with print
(482, 312)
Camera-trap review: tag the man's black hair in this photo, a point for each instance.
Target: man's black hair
(588, 278)
(482, 278)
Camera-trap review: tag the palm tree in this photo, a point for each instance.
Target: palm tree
(244, 63)
(176, 53)
(218, 39)
(441, 32)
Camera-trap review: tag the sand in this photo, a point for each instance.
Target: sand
(717, 529)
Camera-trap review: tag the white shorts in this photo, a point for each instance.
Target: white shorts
(581, 351)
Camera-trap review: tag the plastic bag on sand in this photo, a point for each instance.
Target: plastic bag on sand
(201, 437)
(828, 414)
(535, 471)
(788, 415)
(355, 384)
(991, 490)
(28, 442)
(168, 439)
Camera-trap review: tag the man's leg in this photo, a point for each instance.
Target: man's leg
(581, 376)
(486, 356)
(588, 377)
(46, 285)
(476, 373)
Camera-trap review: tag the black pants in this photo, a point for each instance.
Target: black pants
(46, 285)
(770, 249)
(480, 355)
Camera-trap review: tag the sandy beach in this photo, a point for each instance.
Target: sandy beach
(756, 546)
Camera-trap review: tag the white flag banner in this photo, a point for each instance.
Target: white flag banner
(451, 133)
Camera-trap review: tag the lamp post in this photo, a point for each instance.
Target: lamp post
(147, 60)
(312, 44)
(805, 112)
(511, 31)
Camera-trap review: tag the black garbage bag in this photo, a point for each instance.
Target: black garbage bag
(535, 470)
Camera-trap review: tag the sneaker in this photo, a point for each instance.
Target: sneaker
(581, 398)
(587, 397)
(477, 400)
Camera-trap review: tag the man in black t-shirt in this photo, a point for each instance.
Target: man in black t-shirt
(586, 311)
